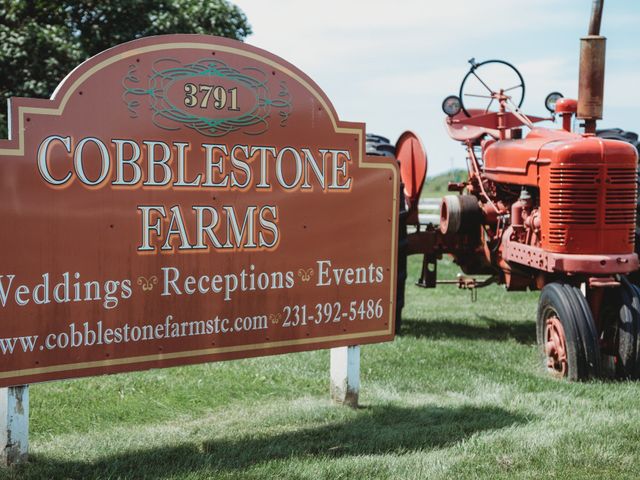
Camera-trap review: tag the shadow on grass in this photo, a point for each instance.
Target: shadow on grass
(372, 431)
(492, 330)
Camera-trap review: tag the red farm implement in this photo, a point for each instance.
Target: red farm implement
(541, 209)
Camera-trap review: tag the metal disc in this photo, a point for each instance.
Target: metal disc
(413, 165)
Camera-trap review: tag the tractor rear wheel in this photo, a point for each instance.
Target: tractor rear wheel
(379, 145)
(620, 316)
(619, 134)
(566, 333)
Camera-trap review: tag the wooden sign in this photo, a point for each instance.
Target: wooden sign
(185, 199)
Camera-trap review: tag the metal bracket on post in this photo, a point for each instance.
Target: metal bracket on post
(429, 274)
(14, 428)
(345, 375)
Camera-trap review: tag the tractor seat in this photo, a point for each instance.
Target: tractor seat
(464, 133)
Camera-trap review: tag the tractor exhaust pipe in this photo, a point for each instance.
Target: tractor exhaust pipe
(591, 82)
(596, 17)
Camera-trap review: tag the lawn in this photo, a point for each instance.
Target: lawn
(459, 394)
(437, 186)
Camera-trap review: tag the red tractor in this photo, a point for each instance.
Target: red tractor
(551, 210)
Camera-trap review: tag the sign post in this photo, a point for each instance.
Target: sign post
(14, 424)
(345, 375)
(185, 199)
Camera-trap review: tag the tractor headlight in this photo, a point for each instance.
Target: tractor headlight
(451, 105)
(550, 101)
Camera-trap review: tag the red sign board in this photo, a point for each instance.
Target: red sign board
(184, 199)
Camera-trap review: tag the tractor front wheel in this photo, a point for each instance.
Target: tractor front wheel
(566, 333)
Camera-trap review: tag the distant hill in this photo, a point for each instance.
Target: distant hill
(437, 186)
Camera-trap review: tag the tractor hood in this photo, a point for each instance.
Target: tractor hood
(518, 161)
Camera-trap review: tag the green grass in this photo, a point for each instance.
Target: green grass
(460, 394)
(437, 186)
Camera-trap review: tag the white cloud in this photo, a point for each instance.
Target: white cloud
(390, 64)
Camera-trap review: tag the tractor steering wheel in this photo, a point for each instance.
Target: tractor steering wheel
(479, 94)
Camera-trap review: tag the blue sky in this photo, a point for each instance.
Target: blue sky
(391, 63)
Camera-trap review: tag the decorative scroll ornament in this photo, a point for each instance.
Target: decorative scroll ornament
(169, 112)
(147, 283)
(305, 274)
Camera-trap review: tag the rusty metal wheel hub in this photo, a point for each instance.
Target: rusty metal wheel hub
(555, 347)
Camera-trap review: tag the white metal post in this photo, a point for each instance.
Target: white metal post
(14, 427)
(345, 375)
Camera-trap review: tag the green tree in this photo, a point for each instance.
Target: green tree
(42, 41)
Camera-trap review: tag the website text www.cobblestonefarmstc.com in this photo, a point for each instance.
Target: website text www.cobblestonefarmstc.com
(88, 335)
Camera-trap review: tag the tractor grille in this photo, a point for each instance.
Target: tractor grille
(573, 215)
(582, 175)
(620, 217)
(582, 198)
(621, 196)
(575, 191)
(591, 208)
(626, 196)
(622, 175)
(573, 197)
(558, 236)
